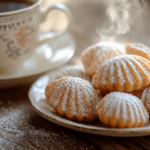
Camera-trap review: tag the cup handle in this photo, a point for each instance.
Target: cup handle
(50, 35)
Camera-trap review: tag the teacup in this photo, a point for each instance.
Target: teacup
(19, 33)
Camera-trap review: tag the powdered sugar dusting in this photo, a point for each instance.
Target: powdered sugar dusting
(125, 112)
(112, 74)
(102, 55)
(145, 98)
(120, 73)
(140, 65)
(126, 69)
(101, 74)
(52, 94)
(140, 47)
(73, 96)
(57, 99)
(81, 106)
(65, 95)
(136, 65)
(145, 65)
(144, 95)
(92, 99)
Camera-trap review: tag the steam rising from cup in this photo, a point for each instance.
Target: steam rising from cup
(121, 15)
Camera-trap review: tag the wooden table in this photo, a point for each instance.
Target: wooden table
(21, 128)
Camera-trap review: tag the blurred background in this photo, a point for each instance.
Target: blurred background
(95, 20)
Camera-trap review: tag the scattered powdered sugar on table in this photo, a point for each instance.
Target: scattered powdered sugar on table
(17, 133)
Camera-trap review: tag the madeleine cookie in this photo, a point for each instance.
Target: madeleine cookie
(124, 73)
(122, 110)
(95, 56)
(74, 71)
(138, 49)
(145, 98)
(73, 98)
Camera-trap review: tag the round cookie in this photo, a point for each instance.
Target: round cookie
(145, 98)
(73, 98)
(74, 71)
(96, 55)
(122, 110)
(124, 73)
(138, 49)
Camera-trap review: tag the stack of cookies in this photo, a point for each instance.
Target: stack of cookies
(114, 86)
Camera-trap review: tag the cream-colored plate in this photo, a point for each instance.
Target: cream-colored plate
(46, 57)
(40, 105)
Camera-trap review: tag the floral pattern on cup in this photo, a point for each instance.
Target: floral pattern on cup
(23, 39)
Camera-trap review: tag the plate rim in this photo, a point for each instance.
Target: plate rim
(70, 54)
(114, 132)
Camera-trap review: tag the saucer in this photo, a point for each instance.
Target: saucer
(46, 57)
(41, 106)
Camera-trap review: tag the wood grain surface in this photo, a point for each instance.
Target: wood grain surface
(21, 128)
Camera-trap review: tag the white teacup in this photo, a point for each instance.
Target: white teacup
(19, 33)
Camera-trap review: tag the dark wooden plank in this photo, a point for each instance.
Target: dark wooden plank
(102, 142)
(127, 143)
(99, 143)
(142, 141)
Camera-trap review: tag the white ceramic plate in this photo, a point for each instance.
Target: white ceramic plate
(46, 57)
(40, 105)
